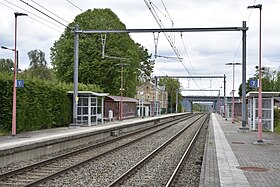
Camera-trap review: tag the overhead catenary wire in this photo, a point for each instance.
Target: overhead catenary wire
(183, 43)
(150, 6)
(228, 73)
(44, 13)
(162, 73)
(187, 53)
(74, 5)
(30, 13)
(163, 4)
(50, 11)
(238, 47)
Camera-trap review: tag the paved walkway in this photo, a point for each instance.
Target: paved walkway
(32, 137)
(233, 159)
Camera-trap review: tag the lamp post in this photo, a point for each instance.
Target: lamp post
(142, 99)
(225, 99)
(221, 103)
(232, 99)
(4, 47)
(259, 6)
(121, 105)
(15, 77)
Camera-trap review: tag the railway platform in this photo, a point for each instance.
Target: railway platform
(234, 158)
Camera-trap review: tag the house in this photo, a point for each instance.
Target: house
(153, 100)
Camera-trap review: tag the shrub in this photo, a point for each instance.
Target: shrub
(40, 104)
(277, 120)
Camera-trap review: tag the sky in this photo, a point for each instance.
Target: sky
(203, 54)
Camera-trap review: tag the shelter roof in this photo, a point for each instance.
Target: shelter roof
(89, 93)
(124, 99)
(264, 94)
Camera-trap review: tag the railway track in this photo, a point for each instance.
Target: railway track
(40, 172)
(131, 177)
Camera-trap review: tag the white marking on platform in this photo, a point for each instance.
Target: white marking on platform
(227, 162)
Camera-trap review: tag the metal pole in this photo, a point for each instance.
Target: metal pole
(166, 98)
(121, 108)
(121, 103)
(142, 112)
(233, 72)
(14, 113)
(225, 101)
(260, 82)
(155, 104)
(259, 6)
(244, 75)
(233, 90)
(76, 63)
(177, 101)
(139, 107)
(17, 62)
(15, 81)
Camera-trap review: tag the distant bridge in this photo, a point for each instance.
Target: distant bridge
(187, 101)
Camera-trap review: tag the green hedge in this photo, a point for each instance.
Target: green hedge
(40, 104)
(277, 120)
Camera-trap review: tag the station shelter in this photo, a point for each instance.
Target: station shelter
(268, 104)
(90, 107)
(113, 104)
(237, 106)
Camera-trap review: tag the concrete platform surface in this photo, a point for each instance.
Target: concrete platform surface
(232, 157)
(27, 138)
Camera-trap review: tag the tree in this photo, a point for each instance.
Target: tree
(270, 81)
(172, 85)
(93, 69)
(37, 58)
(38, 66)
(6, 65)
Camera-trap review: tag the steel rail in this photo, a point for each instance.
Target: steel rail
(185, 156)
(119, 181)
(59, 173)
(29, 168)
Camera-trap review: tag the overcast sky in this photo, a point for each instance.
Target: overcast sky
(203, 53)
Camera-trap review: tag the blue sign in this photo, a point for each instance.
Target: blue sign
(254, 83)
(20, 83)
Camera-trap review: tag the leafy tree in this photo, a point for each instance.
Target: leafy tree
(37, 58)
(6, 65)
(38, 66)
(197, 107)
(172, 85)
(270, 81)
(93, 69)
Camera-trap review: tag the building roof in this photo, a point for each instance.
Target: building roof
(161, 88)
(89, 93)
(124, 99)
(264, 94)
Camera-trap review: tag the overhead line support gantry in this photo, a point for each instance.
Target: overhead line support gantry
(77, 31)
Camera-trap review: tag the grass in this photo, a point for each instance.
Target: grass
(277, 129)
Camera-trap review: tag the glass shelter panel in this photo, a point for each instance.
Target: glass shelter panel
(88, 110)
(267, 113)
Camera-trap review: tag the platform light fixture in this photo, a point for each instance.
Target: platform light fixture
(259, 6)
(15, 77)
(233, 64)
(7, 48)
